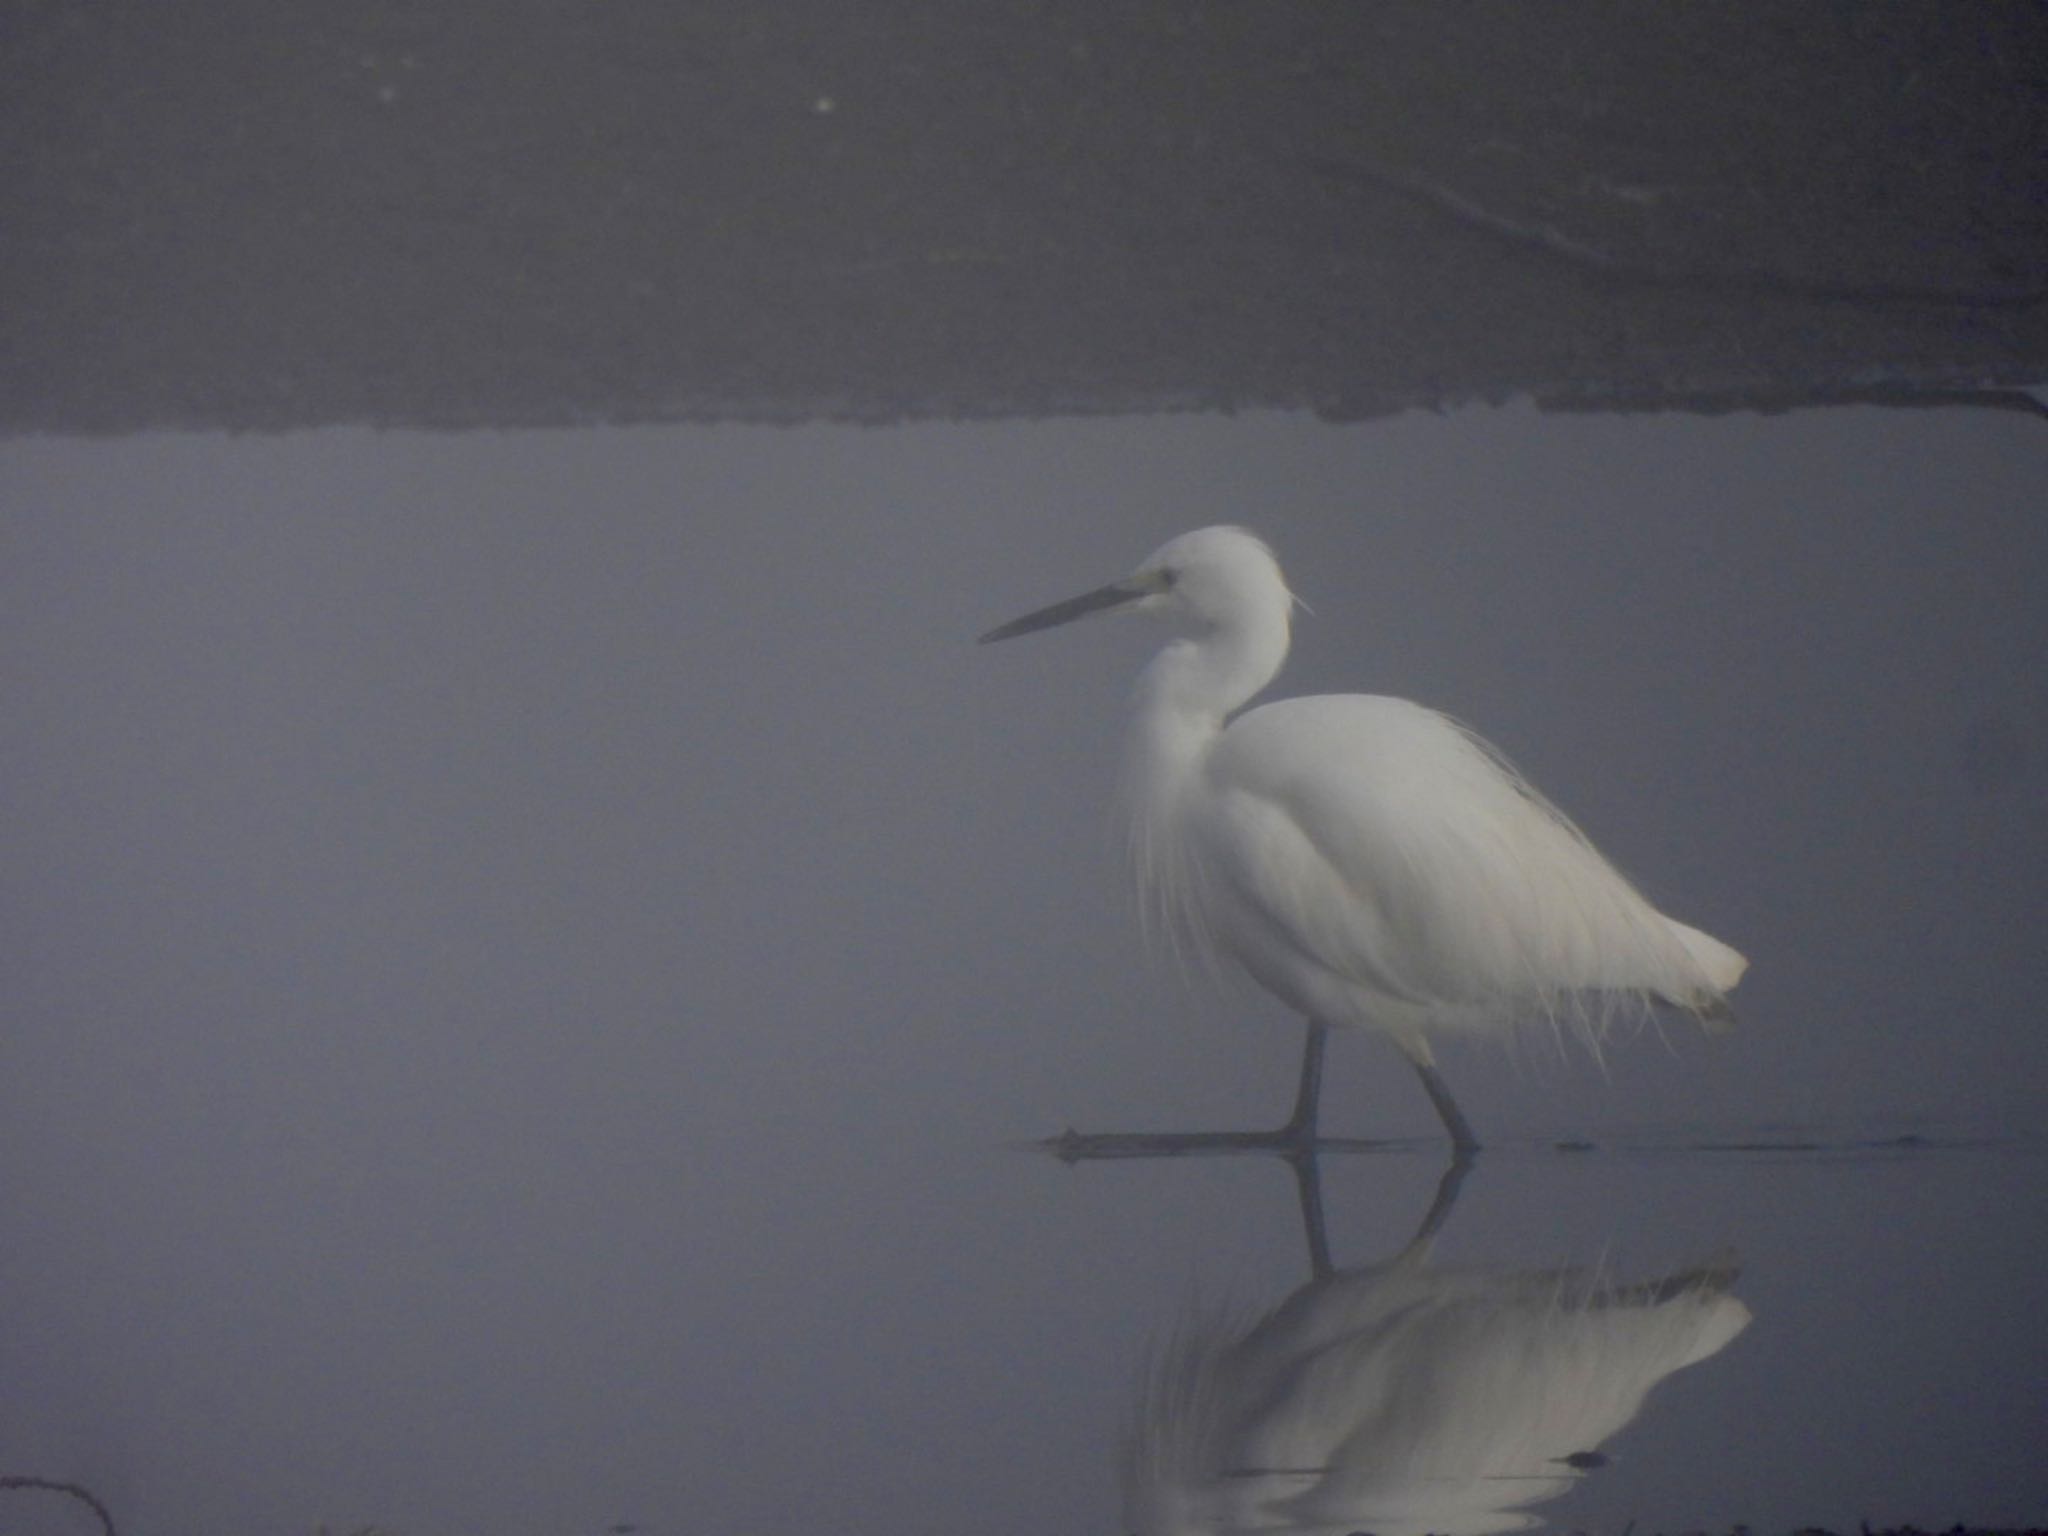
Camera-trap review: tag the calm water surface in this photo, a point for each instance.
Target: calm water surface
(531, 965)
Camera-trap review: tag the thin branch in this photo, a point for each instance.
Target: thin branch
(49, 1485)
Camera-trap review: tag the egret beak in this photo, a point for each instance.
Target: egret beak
(1101, 600)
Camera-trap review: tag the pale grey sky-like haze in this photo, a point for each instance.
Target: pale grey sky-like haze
(530, 960)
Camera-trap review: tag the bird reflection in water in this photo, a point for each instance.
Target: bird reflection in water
(1408, 1397)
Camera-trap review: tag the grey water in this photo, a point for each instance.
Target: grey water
(532, 965)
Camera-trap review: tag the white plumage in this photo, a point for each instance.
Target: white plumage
(1407, 1399)
(1368, 860)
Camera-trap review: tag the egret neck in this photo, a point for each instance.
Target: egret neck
(1183, 699)
(1196, 683)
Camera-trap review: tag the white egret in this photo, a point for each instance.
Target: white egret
(1369, 861)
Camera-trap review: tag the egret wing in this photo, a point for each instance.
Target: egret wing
(1390, 847)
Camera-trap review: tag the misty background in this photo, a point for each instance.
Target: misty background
(534, 959)
(530, 959)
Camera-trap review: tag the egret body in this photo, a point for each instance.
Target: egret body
(1368, 861)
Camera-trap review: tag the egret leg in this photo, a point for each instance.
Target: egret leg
(1439, 1211)
(1308, 1185)
(1301, 1125)
(1463, 1142)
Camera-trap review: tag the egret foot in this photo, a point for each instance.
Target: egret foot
(1463, 1142)
(1300, 1129)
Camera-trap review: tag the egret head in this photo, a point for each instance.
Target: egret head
(1210, 579)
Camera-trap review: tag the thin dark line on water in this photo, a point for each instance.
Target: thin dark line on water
(1078, 1146)
(1112, 1146)
(1885, 1149)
